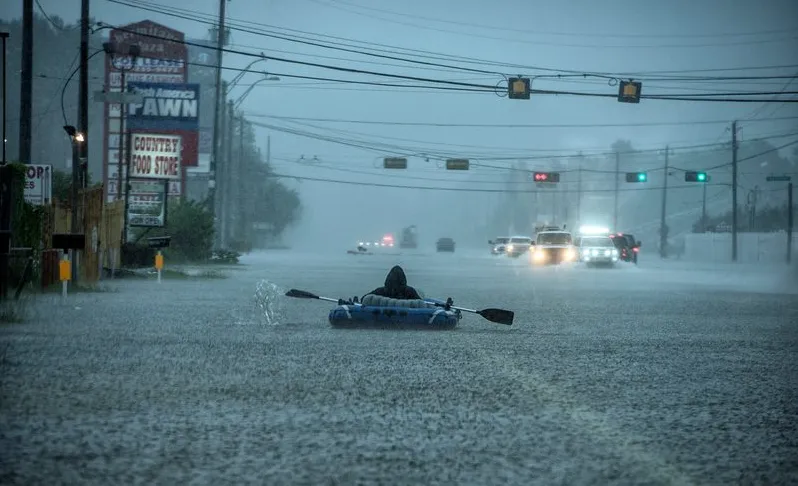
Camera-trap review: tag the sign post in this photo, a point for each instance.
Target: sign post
(159, 264)
(64, 273)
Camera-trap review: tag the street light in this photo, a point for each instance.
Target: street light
(266, 77)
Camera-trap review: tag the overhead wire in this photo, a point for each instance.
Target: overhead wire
(193, 15)
(338, 6)
(704, 97)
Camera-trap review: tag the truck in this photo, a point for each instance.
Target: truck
(409, 238)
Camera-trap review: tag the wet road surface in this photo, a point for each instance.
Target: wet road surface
(651, 375)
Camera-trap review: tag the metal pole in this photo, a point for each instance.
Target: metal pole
(704, 210)
(734, 191)
(26, 83)
(243, 181)
(579, 194)
(128, 153)
(83, 89)
(120, 156)
(221, 181)
(4, 36)
(617, 190)
(789, 222)
(218, 100)
(663, 232)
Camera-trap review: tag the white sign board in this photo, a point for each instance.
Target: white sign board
(156, 156)
(38, 184)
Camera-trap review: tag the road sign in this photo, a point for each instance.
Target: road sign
(629, 91)
(394, 163)
(518, 88)
(778, 179)
(457, 164)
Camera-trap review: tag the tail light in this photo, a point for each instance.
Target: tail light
(635, 250)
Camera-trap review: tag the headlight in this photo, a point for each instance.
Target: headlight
(509, 247)
(539, 255)
(569, 254)
(614, 252)
(607, 252)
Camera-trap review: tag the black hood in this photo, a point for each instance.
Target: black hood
(396, 277)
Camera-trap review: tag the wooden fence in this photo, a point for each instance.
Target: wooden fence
(101, 223)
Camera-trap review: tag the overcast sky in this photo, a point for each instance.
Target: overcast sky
(578, 35)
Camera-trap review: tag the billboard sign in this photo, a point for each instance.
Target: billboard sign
(38, 184)
(166, 106)
(147, 206)
(163, 61)
(156, 156)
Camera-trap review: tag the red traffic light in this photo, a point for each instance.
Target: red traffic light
(547, 177)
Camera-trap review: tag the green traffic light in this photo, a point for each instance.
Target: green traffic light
(641, 177)
(702, 177)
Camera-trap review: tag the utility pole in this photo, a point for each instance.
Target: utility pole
(218, 105)
(243, 181)
(663, 227)
(26, 83)
(789, 222)
(4, 36)
(579, 193)
(83, 94)
(221, 182)
(617, 190)
(734, 191)
(704, 209)
(228, 180)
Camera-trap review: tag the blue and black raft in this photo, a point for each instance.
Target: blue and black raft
(375, 311)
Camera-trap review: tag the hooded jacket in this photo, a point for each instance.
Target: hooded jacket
(396, 287)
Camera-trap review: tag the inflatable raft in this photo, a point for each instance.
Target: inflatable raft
(381, 312)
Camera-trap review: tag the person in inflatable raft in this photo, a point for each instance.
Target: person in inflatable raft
(396, 286)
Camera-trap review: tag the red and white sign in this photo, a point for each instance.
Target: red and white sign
(156, 156)
(163, 60)
(38, 184)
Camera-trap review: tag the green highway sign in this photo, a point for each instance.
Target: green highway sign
(778, 179)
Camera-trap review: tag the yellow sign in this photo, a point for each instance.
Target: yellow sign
(630, 90)
(519, 86)
(159, 261)
(65, 270)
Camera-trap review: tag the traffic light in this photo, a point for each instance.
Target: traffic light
(394, 163)
(636, 177)
(629, 91)
(457, 164)
(691, 176)
(547, 177)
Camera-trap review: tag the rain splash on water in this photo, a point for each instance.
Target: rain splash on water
(269, 300)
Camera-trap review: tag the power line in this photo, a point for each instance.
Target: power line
(509, 125)
(193, 15)
(515, 39)
(706, 97)
(576, 34)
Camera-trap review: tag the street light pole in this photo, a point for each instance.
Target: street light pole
(4, 36)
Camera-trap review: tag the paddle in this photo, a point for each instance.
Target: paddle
(303, 294)
(499, 316)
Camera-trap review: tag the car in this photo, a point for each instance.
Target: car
(628, 247)
(445, 245)
(553, 247)
(518, 245)
(499, 245)
(598, 250)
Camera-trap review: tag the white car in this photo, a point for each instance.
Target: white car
(553, 247)
(598, 250)
(518, 245)
(499, 245)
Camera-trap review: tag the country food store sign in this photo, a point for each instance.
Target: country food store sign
(155, 156)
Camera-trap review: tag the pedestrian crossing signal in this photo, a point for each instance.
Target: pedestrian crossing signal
(691, 176)
(547, 177)
(636, 177)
